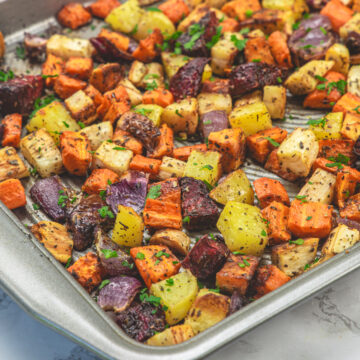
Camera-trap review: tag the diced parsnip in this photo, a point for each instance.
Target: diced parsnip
(298, 152)
(292, 258)
(152, 111)
(55, 238)
(110, 156)
(351, 25)
(351, 127)
(340, 54)
(171, 167)
(171, 336)
(137, 72)
(182, 116)
(204, 166)
(54, 118)
(11, 164)
(243, 228)
(210, 101)
(40, 150)
(275, 100)
(331, 129)
(248, 99)
(134, 94)
(65, 47)
(154, 74)
(98, 133)
(303, 81)
(81, 107)
(178, 300)
(208, 309)
(353, 80)
(251, 118)
(340, 239)
(129, 227)
(175, 240)
(173, 62)
(235, 187)
(320, 187)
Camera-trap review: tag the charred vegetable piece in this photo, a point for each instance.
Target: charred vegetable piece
(237, 301)
(108, 51)
(35, 47)
(212, 121)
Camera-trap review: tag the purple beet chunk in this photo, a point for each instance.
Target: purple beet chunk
(207, 256)
(119, 293)
(129, 191)
(141, 320)
(201, 210)
(46, 193)
(113, 263)
(237, 301)
(213, 121)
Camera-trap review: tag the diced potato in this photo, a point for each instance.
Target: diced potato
(40, 150)
(54, 118)
(98, 133)
(208, 309)
(81, 107)
(331, 129)
(152, 111)
(340, 54)
(243, 228)
(353, 80)
(154, 74)
(182, 116)
(55, 238)
(292, 258)
(129, 227)
(235, 187)
(171, 167)
(174, 239)
(320, 187)
(251, 118)
(275, 100)
(351, 127)
(352, 25)
(134, 94)
(303, 81)
(171, 336)
(137, 72)
(11, 165)
(298, 152)
(211, 101)
(204, 166)
(278, 4)
(251, 98)
(340, 239)
(180, 297)
(65, 47)
(108, 156)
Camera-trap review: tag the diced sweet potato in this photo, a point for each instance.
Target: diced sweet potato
(146, 165)
(165, 145)
(269, 190)
(347, 103)
(12, 193)
(230, 25)
(123, 138)
(99, 180)
(147, 49)
(329, 166)
(258, 48)
(337, 12)
(53, 66)
(183, 153)
(272, 164)
(102, 8)
(79, 67)
(332, 148)
(81, 107)
(87, 271)
(105, 77)
(161, 97)
(120, 41)
(175, 10)
(73, 15)
(102, 106)
(239, 8)
(12, 130)
(344, 188)
(351, 210)
(279, 49)
(155, 263)
(65, 86)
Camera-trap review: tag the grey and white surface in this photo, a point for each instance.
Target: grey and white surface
(325, 325)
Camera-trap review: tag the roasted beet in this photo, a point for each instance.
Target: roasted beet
(18, 95)
(206, 257)
(50, 195)
(119, 293)
(113, 260)
(352, 42)
(237, 301)
(142, 128)
(109, 52)
(141, 321)
(35, 47)
(130, 191)
(187, 80)
(213, 121)
(197, 205)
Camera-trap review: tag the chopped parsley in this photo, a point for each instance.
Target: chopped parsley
(119, 148)
(104, 283)
(272, 141)
(127, 264)
(216, 290)
(186, 219)
(108, 253)
(239, 43)
(178, 113)
(195, 31)
(5, 76)
(20, 52)
(212, 236)
(33, 171)
(102, 194)
(134, 30)
(244, 31)
(140, 256)
(357, 109)
(42, 102)
(49, 76)
(338, 161)
(105, 211)
(208, 167)
(68, 262)
(208, 185)
(151, 76)
(143, 111)
(151, 86)
(207, 122)
(154, 192)
(256, 60)
(296, 25)
(81, 124)
(263, 233)
(249, 13)
(66, 124)
(279, 80)
(153, 300)
(215, 38)
(318, 122)
(62, 200)
(238, 253)
(323, 30)
(161, 253)
(170, 282)
(296, 242)
(36, 207)
(308, 218)
(154, 9)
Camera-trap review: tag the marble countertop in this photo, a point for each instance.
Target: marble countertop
(326, 325)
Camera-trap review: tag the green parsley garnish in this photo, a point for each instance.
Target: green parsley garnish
(20, 52)
(108, 253)
(323, 30)
(215, 38)
(36, 207)
(216, 290)
(249, 13)
(272, 141)
(127, 264)
(105, 211)
(296, 242)
(186, 219)
(49, 76)
(208, 185)
(134, 30)
(239, 43)
(42, 102)
(256, 60)
(154, 192)
(104, 283)
(140, 256)
(208, 167)
(319, 122)
(62, 200)
(119, 148)
(308, 218)
(263, 233)
(154, 9)
(151, 86)
(68, 263)
(162, 253)
(169, 282)
(6, 76)
(81, 124)
(195, 31)
(103, 194)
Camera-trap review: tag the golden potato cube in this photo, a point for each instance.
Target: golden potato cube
(171, 167)
(275, 100)
(211, 101)
(81, 107)
(351, 127)
(171, 336)
(174, 239)
(98, 133)
(11, 164)
(330, 129)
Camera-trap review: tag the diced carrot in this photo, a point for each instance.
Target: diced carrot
(73, 15)
(310, 219)
(276, 215)
(106, 76)
(332, 148)
(279, 49)
(257, 48)
(269, 190)
(165, 144)
(239, 8)
(12, 130)
(268, 278)
(120, 41)
(79, 68)
(169, 190)
(351, 210)
(123, 138)
(347, 103)
(259, 145)
(183, 153)
(230, 25)
(12, 193)
(158, 263)
(65, 86)
(116, 110)
(147, 49)
(99, 180)
(337, 12)
(344, 188)
(159, 96)
(102, 8)
(159, 214)
(87, 271)
(146, 165)
(53, 66)
(102, 105)
(75, 152)
(217, 86)
(175, 10)
(273, 165)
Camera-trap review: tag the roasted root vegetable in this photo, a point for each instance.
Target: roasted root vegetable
(102, 8)
(345, 186)
(99, 180)
(257, 48)
(329, 128)
(98, 133)
(279, 49)
(175, 240)
(161, 97)
(65, 86)
(275, 100)
(175, 10)
(211, 121)
(12, 193)
(183, 153)
(340, 54)
(106, 76)
(214, 102)
(337, 12)
(11, 130)
(78, 67)
(165, 144)
(351, 208)
(147, 165)
(351, 126)
(269, 190)
(81, 107)
(171, 167)
(172, 336)
(73, 15)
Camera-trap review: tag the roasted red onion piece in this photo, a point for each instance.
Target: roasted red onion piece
(350, 223)
(212, 121)
(35, 47)
(237, 301)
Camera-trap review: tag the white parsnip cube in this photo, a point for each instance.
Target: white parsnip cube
(340, 239)
(81, 107)
(98, 133)
(210, 102)
(171, 167)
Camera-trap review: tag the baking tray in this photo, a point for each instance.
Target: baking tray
(43, 288)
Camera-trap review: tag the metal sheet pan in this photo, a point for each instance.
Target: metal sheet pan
(36, 281)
